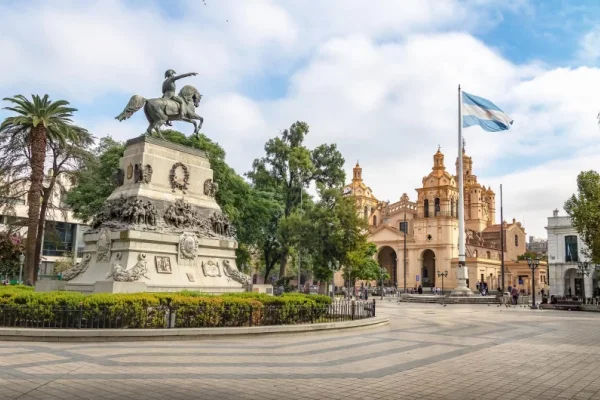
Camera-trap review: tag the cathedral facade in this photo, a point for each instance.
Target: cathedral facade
(417, 240)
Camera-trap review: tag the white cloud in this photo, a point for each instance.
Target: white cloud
(380, 81)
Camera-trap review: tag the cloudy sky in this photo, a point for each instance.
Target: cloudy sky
(378, 78)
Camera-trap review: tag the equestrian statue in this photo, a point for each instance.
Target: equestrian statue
(170, 107)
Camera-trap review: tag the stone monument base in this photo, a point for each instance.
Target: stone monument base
(161, 229)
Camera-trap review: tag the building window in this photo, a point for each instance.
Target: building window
(571, 251)
(437, 206)
(489, 255)
(404, 227)
(516, 241)
(366, 213)
(426, 208)
(452, 208)
(58, 239)
(374, 220)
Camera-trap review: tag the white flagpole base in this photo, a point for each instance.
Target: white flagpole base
(462, 290)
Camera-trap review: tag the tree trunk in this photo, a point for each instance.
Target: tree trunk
(283, 262)
(41, 225)
(38, 155)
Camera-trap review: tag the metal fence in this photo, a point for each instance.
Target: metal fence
(163, 317)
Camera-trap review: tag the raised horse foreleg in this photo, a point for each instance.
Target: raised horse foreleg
(185, 119)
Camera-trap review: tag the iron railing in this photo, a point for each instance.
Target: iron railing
(183, 316)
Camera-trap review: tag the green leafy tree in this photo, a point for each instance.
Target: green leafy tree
(36, 121)
(286, 169)
(330, 230)
(584, 210)
(95, 179)
(12, 245)
(532, 255)
(361, 264)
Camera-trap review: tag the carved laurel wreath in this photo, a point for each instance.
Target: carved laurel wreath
(186, 177)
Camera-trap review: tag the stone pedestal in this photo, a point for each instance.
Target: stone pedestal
(49, 285)
(161, 229)
(462, 274)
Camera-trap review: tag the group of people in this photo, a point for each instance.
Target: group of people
(483, 288)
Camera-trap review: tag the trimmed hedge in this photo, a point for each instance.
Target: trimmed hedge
(20, 306)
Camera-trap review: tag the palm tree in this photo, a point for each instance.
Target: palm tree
(37, 120)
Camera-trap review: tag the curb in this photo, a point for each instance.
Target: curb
(133, 335)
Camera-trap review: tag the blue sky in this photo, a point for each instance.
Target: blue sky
(379, 79)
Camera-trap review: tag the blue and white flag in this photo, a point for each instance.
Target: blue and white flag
(479, 111)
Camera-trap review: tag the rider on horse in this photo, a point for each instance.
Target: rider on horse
(169, 87)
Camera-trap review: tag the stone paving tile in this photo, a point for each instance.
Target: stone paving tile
(427, 351)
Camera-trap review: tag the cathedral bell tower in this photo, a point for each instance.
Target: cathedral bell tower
(357, 173)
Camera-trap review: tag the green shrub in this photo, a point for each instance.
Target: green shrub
(22, 306)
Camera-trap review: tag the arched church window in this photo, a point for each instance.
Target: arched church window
(475, 253)
(426, 208)
(437, 206)
(374, 220)
(452, 211)
(489, 255)
(366, 212)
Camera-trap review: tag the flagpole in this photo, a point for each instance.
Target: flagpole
(502, 240)
(462, 273)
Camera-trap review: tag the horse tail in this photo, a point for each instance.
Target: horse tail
(135, 103)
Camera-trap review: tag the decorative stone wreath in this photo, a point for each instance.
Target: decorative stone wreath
(186, 177)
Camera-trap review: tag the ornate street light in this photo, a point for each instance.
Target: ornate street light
(442, 275)
(533, 264)
(584, 270)
(381, 272)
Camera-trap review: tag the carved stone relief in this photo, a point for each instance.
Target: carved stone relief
(190, 277)
(138, 271)
(147, 176)
(210, 188)
(77, 269)
(129, 171)
(180, 183)
(163, 264)
(119, 177)
(234, 274)
(129, 211)
(211, 268)
(138, 173)
(103, 246)
(187, 246)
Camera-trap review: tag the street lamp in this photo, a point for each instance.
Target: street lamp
(21, 262)
(333, 267)
(584, 270)
(442, 275)
(381, 272)
(533, 264)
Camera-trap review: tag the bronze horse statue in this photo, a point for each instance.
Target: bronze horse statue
(160, 111)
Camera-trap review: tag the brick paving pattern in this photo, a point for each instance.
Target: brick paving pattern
(427, 351)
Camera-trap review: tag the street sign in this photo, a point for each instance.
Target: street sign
(417, 278)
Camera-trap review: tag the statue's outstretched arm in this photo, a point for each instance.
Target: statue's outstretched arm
(177, 77)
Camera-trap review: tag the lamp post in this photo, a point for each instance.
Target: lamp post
(333, 267)
(405, 231)
(442, 275)
(584, 270)
(21, 262)
(381, 272)
(533, 264)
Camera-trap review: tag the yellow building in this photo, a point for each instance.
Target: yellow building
(424, 233)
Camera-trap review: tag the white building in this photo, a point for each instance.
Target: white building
(63, 233)
(564, 252)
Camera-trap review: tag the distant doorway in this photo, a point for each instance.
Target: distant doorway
(387, 259)
(428, 268)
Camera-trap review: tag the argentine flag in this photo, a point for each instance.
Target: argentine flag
(479, 111)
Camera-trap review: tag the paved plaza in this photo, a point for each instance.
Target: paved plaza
(427, 351)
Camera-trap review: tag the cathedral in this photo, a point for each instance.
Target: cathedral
(417, 240)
